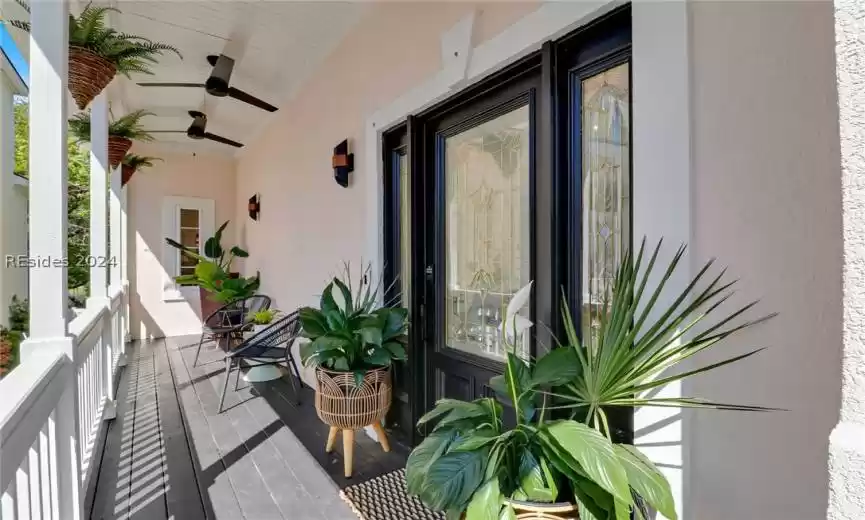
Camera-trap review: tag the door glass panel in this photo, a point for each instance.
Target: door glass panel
(405, 230)
(487, 242)
(606, 188)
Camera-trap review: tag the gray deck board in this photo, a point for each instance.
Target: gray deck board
(169, 455)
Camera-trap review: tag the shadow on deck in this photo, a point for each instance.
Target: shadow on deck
(170, 455)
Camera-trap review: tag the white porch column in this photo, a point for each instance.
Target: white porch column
(98, 200)
(48, 180)
(847, 442)
(124, 266)
(116, 255)
(7, 165)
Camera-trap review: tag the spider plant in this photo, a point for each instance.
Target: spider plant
(89, 30)
(559, 447)
(128, 126)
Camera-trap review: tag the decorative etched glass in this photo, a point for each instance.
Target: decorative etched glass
(487, 231)
(405, 230)
(606, 187)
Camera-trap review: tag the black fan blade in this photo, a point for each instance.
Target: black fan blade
(252, 100)
(223, 140)
(192, 85)
(166, 131)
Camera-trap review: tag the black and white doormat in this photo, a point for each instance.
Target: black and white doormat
(385, 498)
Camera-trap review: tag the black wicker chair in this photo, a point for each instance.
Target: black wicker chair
(230, 320)
(271, 346)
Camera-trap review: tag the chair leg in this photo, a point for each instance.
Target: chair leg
(228, 364)
(198, 350)
(294, 385)
(237, 377)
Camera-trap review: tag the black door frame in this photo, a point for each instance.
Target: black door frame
(555, 188)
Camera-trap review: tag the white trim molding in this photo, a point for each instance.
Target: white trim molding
(171, 207)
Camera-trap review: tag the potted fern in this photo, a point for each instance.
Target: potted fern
(559, 459)
(97, 52)
(121, 133)
(131, 163)
(262, 319)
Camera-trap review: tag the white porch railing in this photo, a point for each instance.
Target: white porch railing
(46, 449)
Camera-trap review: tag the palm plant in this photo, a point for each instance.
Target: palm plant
(98, 52)
(561, 448)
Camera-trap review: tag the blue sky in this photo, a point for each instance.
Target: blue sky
(7, 44)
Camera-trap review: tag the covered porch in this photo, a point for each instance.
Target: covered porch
(110, 418)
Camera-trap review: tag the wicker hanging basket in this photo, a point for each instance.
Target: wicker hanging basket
(535, 511)
(126, 173)
(117, 148)
(89, 74)
(341, 404)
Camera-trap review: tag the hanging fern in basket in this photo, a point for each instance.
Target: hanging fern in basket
(128, 53)
(128, 126)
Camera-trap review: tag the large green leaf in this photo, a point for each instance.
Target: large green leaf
(595, 455)
(397, 350)
(207, 271)
(594, 503)
(647, 480)
(486, 502)
(428, 451)
(557, 367)
(395, 321)
(517, 379)
(446, 407)
(313, 322)
(474, 440)
(508, 513)
(378, 357)
(453, 478)
(327, 302)
(371, 335)
(533, 480)
(347, 306)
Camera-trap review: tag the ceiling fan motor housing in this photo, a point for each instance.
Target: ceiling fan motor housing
(217, 83)
(199, 122)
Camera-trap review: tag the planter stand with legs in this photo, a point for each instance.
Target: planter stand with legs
(346, 407)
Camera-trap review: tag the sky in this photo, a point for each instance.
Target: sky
(7, 45)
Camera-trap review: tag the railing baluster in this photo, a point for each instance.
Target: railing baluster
(8, 508)
(22, 481)
(53, 464)
(34, 482)
(45, 473)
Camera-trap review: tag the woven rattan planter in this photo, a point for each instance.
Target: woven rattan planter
(89, 74)
(535, 511)
(342, 405)
(117, 148)
(126, 173)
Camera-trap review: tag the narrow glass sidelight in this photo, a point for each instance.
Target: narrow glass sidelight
(405, 230)
(487, 230)
(189, 233)
(606, 187)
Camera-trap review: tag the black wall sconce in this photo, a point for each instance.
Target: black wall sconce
(254, 206)
(343, 163)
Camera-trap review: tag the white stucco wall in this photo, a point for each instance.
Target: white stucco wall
(766, 199)
(847, 446)
(210, 177)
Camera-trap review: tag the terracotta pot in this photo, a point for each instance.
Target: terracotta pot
(89, 74)
(208, 306)
(341, 404)
(126, 173)
(117, 149)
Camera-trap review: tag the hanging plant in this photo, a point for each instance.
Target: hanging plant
(121, 133)
(97, 52)
(132, 163)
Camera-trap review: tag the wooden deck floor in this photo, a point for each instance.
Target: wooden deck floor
(169, 455)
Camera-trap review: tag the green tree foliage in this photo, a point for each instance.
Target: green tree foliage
(78, 202)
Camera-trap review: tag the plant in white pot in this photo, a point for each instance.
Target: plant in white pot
(262, 319)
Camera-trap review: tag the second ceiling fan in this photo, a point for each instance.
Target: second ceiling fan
(218, 83)
(197, 130)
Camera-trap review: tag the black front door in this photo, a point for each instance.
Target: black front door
(523, 177)
(479, 248)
